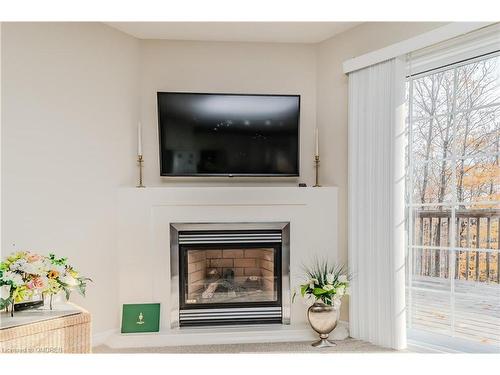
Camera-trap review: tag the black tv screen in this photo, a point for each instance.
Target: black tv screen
(228, 134)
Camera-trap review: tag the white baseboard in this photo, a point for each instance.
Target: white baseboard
(209, 335)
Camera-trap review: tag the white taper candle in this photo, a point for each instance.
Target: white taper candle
(316, 138)
(139, 139)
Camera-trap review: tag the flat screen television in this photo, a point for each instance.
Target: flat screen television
(228, 134)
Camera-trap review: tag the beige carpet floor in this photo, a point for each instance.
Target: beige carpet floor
(344, 346)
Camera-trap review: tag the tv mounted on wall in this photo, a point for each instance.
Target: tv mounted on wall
(228, 134)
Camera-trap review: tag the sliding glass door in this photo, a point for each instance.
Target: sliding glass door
(453, 201)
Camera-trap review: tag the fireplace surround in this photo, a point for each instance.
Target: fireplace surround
(143, 239)
(229, 273)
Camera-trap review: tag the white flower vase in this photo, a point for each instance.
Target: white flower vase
(51, 299)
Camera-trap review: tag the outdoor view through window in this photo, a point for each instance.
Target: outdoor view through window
(453, 196)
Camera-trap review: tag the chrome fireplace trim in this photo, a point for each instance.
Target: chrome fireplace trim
(175, 228)
(231, 314)
(240, 237)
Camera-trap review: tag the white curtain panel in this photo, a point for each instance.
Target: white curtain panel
(376, 204)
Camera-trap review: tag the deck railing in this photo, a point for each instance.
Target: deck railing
(477, 248)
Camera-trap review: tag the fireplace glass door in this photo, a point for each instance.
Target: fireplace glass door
(226, 275)
(230, 273)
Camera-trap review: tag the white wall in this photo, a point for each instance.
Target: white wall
(68, 132)
(258, 68)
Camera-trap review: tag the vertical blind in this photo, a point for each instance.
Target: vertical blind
(376, 204)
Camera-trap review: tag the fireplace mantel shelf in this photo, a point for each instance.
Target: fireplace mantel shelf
(283, 188)
(228, 195)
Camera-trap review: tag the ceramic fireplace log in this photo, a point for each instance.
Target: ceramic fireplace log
(209, 292)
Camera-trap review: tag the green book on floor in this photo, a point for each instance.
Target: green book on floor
(141, 317)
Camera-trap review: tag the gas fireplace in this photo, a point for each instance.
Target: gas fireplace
(230, 273)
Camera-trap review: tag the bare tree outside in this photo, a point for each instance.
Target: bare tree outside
(454, 198)
(457, 112)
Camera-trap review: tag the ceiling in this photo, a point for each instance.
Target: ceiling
(284, 32)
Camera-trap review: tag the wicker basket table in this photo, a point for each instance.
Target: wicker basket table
(63, 330)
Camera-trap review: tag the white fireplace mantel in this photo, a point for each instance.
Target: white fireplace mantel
(144, 216)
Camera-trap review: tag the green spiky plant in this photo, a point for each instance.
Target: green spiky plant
(326, 282)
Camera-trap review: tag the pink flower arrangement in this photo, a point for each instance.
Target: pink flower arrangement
(25, 274)
(37, 283)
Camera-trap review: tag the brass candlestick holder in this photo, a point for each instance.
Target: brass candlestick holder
(140, 160)
(316, 167)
